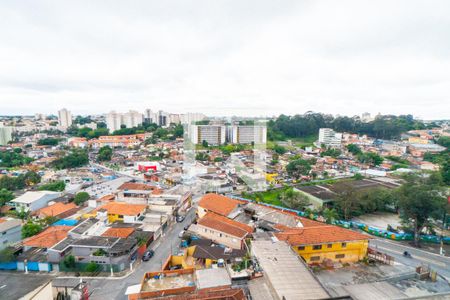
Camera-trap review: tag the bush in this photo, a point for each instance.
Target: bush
(81, 197)
(30, 229)
(57, 186)
(69, 261)
(92, 267)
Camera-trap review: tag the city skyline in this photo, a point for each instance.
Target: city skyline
(249, 59)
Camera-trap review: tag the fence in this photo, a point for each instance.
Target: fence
(83, 267)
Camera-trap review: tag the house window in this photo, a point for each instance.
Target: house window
(206, 230)
(301, 247)
(120, 216)
(317, 247)
(314, 258)
(330, 246)
(340, 255)
(220, 234)
(343, 245)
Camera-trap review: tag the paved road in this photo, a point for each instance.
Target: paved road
(439, 263)
(115, 288)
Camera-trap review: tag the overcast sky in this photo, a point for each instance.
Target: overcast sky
(226, 57)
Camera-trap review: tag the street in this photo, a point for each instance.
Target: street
(114, 288)
(441, 264)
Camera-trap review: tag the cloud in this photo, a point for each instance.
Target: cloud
(226, 57)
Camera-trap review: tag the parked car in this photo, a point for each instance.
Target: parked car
(147, 255)
(180, 235)
(180, 218)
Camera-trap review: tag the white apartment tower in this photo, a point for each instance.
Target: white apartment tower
(114, 120)
(132, 119)
(212, 134)
(64, 118)
(5, 134)
(247, 134)
(329, 138)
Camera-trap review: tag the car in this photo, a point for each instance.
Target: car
(180, 235)
(186, 227)
(147, 255)
(180, 219)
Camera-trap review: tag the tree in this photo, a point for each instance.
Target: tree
(294, 199)
(420, 200)
(69, 261)
(370, 158)
(205, 144)
(330, 215)
(347, 203)
(105, 153)
(57, 186)
(92, 267)
(81, 197)
(279, 149)
(202, 156)
(48, 142)
(76, 158)
(298, 167)
(30, 228)
(10, 159)
(7, 255)
(5, 196)
(354, 149)
(331, 152)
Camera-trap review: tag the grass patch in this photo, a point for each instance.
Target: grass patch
(270, 197)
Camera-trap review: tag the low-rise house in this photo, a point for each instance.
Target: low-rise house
(136, 193)
(32, 201)
(222, 230)
(123, 212)
(59, 210)
(218, 204)
(10, 231)
(319, 244)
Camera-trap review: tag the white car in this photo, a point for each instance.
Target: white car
(180, 235)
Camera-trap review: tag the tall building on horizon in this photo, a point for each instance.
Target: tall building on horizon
(64, 118)
(5, 134)
(115, 120)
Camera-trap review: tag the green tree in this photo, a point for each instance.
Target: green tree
(76, 158)
(92, 267)
(202, 156)
(330, 215)
(354, 149)
(294, 199)
(7, 255)
(5, 196)
(105, 153)
(81, 197)
(298, 167)
(57, 186)
(331, 152)
(48, 142)
(30, 228)
(279, 149)
(205, 144)
(370, 158)
(420, 200)
(69, 261)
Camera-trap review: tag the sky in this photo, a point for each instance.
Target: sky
(246, 58)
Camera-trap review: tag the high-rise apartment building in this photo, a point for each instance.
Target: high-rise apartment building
(247, 134)
(64, 118)
(191, 118)
(212, 134)
(5, 134)
(162, 119)
(329, 138)
(115, 120)
(132, 119)
(150, 116)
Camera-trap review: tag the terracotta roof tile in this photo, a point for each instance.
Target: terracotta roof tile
(118, 232)
(56, 209)
(319, 235)
(48, 238)
(119, 208)
(225, 225)
(219, 204)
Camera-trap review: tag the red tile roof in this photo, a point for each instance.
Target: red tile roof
(225, 225)
(48, 238)
(56, 209)
(118, 232)
(319, 235)
(219, 204)
(119, 208)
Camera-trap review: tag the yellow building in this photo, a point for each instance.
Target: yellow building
(318, 244)
(119, 211)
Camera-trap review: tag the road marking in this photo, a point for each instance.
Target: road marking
(3, 286)
(418, 257)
